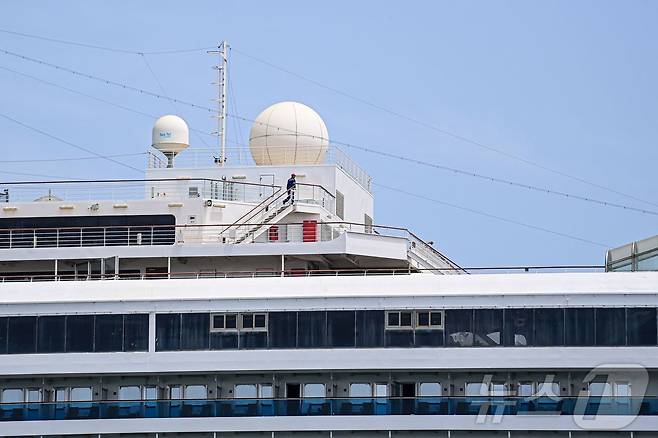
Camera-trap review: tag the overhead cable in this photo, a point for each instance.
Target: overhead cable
(441, 130)
(493, 216)
(351, 145)
(61, 140)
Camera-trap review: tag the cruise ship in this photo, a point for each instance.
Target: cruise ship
(253, 294)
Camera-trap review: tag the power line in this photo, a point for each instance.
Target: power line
(107, 102)
(104, 48)
(442, 130)
(493, 216)
(61, 140)
(351, 145)
(53, 160)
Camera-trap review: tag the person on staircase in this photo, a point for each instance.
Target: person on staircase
(291, 186)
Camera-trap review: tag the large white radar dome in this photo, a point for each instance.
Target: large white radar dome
(288, 133)
(170, 136)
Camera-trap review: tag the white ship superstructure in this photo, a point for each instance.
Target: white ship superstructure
(213, 299)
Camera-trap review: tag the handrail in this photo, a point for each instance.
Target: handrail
(362, 272)
(255, 210)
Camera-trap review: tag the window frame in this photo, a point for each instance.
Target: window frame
(399, 326)
(239, 324)
(430, 326)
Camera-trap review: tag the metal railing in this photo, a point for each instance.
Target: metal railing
(123, 190)
(583, 406)
(241, 156)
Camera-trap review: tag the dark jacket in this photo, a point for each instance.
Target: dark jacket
(291, 183)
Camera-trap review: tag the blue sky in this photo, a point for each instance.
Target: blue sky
(569, 85)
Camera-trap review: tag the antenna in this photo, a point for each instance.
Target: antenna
(221, 67)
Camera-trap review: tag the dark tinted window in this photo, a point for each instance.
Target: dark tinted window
(252, 340)
(282, 329)
(641, 323)
(370, 328)
(610, 326)
(519, 325)
(399, 338)
(312, 329)
(428, 338)
(488, 327)
(51, 331)
(224, 341)
(579, 327)
(136, 333)
(167, 332)
(3, 335)
(459, 328)
(22, 334)
(195, 334)
(80, 333)
(341, 329)
(109, 333)
(549, 327)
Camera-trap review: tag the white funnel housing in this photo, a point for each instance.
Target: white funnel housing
(170, 136)
(288, 133)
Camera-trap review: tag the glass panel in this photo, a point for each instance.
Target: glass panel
(399, 338)
(312, 330)
(622, 389)
(549, 327)
(150, 393)
(217, 322)
(231, 321)
(393, 319)
(50, 337)
(641, 323)
(3, 335)
(81, 394)
(518, 327)
(224, 341)
(136, 333)
(360, 390)
(245, 391)
(459, 328)
(370, 328)
(436, 318)
(266, 390)
(12, 395)
(195, 333)
(22, 334)
(247, 321)
(476, 389)
(109, 333)
(196, 392)
(282, 329)
(600, 389)
(428, 338)
(34, 395)
(253, 340)
(130, 393)
(488, 327)
(648, 262)
(259, 320)
(61, 394)
(167, 332)
(497, 389)
(610, 326)
(430, 389)
(314, 390)
(381, 390)
(423, 319)
(525, 389)
(579, 327)
(175, 392)
(548, 389)
(80, 333)
(341, 329)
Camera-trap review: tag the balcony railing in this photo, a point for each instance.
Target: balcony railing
(124, 190)
(376, 406)
(241, 156)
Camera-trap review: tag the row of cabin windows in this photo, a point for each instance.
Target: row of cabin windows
(73, 333)
(409, 328)
(549, 389)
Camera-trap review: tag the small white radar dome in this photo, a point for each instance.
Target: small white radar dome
(170, 136)
(288, 133)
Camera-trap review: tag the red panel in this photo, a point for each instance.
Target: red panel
(273, 233)
(310, 231)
